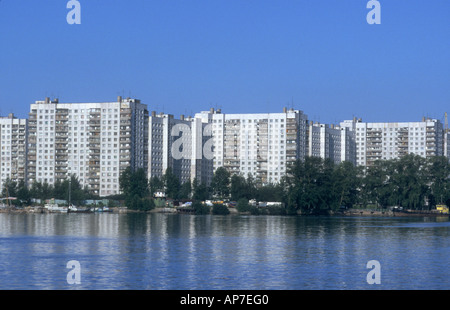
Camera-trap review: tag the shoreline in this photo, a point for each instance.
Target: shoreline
(233, 211)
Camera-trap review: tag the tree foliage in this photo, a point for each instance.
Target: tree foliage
(44, 191)
(172, 184)
(134, 185)
(221, 182)
(220, 209)
(200, 191)
(315, 185)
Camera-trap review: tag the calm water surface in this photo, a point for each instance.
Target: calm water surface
(166, 251)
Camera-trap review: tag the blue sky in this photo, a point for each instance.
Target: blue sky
(243, 56)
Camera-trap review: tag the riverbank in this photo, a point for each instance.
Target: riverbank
(234, 211)
(388, 213)
(39, 209)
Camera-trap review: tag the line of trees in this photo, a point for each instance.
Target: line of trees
(43, 191)
(223, 186)
(315, 185)
(138, 191)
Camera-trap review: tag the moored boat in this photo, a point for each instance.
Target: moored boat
(53, 207)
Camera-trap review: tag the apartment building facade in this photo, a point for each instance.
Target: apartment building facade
(13, 146)
(94, 141)
(179, 144)
(98, 141)
(261, 145)
(331, 141)
(378, 141)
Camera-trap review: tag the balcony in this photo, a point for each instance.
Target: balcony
(61, 146)
(94, 146)
(61, 129)
(62, 112)
(60, 170)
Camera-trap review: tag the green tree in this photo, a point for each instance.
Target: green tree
(77, 194)
(238, 188)
(200, 209)
(401, 182)
(347, 181)
(155, 185)
(377, 185)
(23, 194)
(270, 192)
(221, 183)
(172, 184)
(134, 182)
(409, 181)
(60, 190)
(41, 191)
(310, 186)
(9, 188)
(243, 205)
(185, 190)
(134, 186)
(220, 209)
(200, 191)
(438, 172)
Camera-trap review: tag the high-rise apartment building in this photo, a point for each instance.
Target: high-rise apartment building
(262, 145)
(13, 145)
(94, 141)
(375, 141)
(330, 141)
(179, 144)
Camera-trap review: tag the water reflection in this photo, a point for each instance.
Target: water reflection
(166, 251)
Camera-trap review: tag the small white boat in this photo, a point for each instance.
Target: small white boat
(75, 209)
(55, 208)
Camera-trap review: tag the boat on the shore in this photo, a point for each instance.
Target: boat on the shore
(53, 207)
(75, 209)
(102, 209)
(439, 211)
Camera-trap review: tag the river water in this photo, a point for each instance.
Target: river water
(188, 252)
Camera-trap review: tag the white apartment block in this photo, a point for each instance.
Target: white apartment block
(94, 141)
(330, 141)
(178, 144)
(375, 141)
(262, 145)
(13, 145)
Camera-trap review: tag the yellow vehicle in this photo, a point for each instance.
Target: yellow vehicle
(443, 209)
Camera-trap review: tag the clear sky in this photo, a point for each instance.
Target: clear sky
(243, 56)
